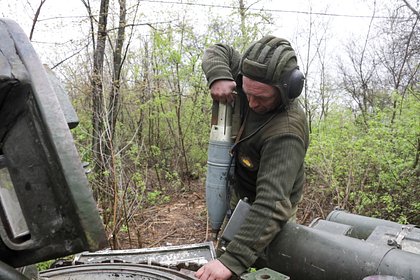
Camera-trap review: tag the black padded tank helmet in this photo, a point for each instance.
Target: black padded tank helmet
(272, 60)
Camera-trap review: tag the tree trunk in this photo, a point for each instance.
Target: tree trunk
(97, 88)
(114, 99)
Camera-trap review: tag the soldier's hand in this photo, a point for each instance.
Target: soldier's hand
(213, 270)
(223, 91)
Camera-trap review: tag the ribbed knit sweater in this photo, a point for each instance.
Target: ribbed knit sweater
(269, 165)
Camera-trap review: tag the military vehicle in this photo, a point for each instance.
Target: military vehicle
(47, 210)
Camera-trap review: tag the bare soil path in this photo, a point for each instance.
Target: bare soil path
(183, 220)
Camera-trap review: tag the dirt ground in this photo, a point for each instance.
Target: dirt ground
(183, 220)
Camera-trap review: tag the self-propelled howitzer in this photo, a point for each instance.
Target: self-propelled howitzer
(46, 206)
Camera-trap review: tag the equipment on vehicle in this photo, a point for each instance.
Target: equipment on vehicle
(46, 206)
(336, 249)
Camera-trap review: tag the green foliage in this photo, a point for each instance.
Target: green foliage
(240, 28)
(161, 135)
(157, 197)
(369, 170)
(44, 265)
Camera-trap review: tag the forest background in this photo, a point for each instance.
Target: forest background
(135, 80)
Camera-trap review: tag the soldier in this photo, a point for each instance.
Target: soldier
(270, 146)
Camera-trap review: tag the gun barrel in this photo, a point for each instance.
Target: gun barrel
(307, 253)
(362, 226)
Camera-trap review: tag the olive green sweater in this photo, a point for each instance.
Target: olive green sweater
(269, 166)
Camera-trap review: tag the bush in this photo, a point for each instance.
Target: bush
(370, 170)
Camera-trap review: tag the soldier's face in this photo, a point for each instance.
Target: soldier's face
(262, 98)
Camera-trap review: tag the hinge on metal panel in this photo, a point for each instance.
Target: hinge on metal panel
(397, 240)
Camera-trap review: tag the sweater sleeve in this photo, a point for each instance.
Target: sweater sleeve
(281, 158)
(220, 62)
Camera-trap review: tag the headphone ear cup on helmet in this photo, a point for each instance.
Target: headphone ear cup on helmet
(293, 83)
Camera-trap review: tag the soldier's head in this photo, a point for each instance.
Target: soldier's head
(270, 64)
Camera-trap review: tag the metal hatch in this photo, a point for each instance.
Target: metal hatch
(169, 262)
(46, 207)
(112, 271)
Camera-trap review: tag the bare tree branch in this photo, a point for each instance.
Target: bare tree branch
(70, 56)
(417, 13)
(35, 20)
(92, 20)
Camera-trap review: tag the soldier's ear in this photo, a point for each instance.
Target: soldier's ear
(292, 82)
